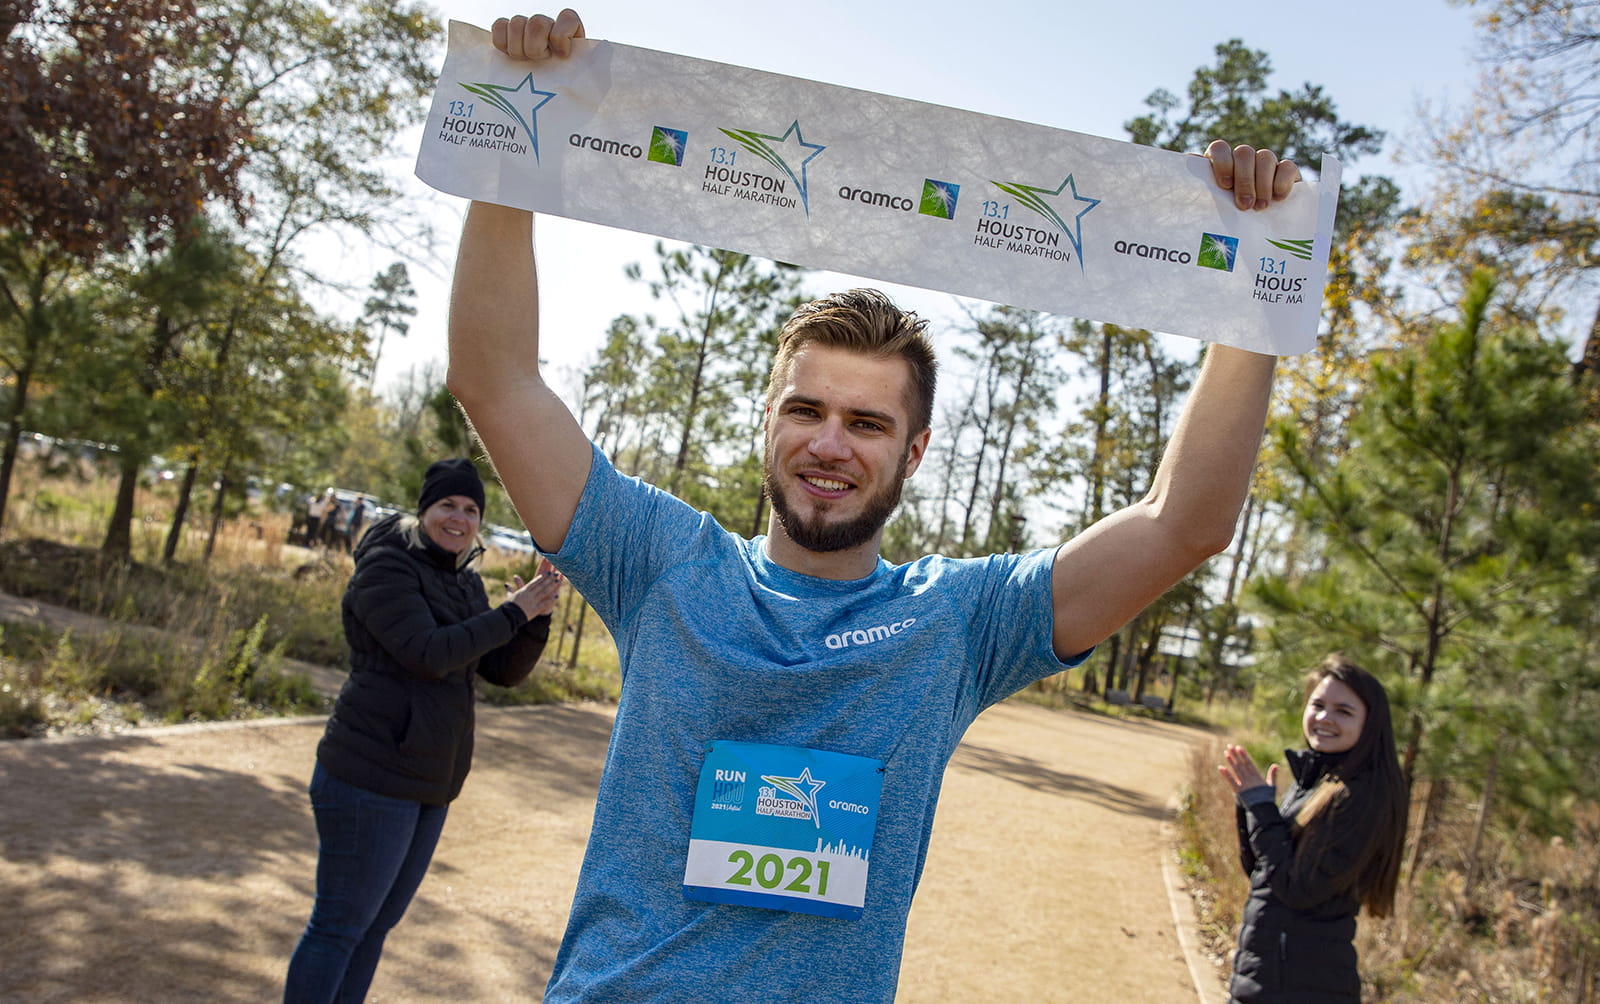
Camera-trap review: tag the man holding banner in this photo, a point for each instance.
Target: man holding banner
(789, 703)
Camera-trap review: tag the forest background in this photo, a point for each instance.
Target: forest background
(1426, 502)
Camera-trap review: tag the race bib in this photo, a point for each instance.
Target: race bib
(783, 828)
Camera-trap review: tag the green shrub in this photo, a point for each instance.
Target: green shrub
(202, 643)
(22, 711)
(548, 684)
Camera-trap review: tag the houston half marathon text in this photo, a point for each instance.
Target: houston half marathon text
(1020, 240)
(479, 133)
(747, 185)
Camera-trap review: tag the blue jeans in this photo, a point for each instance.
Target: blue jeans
(372, 854)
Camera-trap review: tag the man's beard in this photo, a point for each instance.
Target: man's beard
(824, 535)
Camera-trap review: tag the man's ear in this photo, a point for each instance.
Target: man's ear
(915, 449)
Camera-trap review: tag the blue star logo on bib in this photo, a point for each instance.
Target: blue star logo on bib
(802, 789)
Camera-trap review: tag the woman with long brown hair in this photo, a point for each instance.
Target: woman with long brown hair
(1332, 846)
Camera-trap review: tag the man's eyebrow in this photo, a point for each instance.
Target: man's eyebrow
(887, 418)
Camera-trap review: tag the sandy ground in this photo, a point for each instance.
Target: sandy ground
(176, 864)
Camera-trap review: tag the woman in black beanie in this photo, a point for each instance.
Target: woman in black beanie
(398, 745)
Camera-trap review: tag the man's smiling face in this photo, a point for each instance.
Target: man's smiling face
(839, 447)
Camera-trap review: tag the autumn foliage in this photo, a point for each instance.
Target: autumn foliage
(110, 135)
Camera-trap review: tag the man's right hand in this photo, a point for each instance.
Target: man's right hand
(537, 37)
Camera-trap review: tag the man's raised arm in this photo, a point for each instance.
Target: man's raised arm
(1103, 577)
(540, 452)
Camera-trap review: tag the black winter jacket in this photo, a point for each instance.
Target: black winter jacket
(1297, 938)
(418, 630)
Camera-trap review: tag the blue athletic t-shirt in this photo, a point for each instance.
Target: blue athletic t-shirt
(717, 642)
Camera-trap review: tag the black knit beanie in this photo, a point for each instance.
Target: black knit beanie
(450, 477)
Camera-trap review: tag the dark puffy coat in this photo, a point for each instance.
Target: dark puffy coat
(1297, 938)
(418, 630)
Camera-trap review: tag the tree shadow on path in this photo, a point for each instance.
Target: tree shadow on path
(127, 871)
(1041, 777)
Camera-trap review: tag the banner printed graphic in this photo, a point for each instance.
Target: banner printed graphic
(880, 187)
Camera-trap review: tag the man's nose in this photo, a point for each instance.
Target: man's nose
(829, 441)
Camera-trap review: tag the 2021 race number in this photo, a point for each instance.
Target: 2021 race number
(769, 870)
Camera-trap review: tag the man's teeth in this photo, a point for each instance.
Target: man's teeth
(828, 485)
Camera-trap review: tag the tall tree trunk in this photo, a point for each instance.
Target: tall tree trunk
(758, 520)
(119, 532)
(577, 635)
(561, 631)
(1147, 657)
(8, 455)
(180, 513)
(681, 463)
(216, 514)
(1111, 667)
(1482, 821)
(997, 498)
(1097, 482)
(1431, 805)
(28, 312)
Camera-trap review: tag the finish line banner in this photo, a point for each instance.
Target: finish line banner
(886, 188)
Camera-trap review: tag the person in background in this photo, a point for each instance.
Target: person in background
(398, 745)
(333, 522)
(1331, 847)
(317, 513)
(352, 527)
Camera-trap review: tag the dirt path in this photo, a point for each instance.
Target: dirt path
(176, 864)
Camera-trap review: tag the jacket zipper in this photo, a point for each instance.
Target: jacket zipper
(1283, 959)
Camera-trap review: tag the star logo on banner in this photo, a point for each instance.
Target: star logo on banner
(512, 101)
(1035, 198)
(791, 149)
(802, 789)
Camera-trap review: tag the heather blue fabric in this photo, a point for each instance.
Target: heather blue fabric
(718, 642)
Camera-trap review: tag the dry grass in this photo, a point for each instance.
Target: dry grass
(201, 638)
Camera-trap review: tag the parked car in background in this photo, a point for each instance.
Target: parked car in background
(508, 540)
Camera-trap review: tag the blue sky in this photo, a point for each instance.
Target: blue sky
(1081, 66)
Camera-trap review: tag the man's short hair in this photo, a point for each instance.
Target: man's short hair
(868, 322)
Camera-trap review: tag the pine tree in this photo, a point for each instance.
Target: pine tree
(1460, 552)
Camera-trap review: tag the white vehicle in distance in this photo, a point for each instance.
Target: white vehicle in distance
(509, 541)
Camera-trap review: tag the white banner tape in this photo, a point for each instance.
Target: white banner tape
(881, 187)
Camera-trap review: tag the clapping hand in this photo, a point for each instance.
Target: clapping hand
(1241, 772)
(536, 597)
